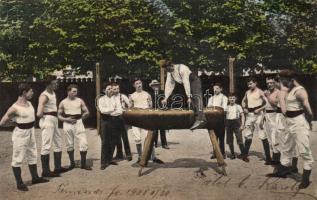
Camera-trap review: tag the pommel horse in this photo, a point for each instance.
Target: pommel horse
(152, 119)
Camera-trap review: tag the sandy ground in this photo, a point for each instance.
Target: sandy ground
(187, 174)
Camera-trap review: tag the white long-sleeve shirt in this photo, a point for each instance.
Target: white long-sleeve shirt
(180, 75)
(218, 100)
(110, 105)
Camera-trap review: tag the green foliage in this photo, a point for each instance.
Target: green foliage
(130, 37)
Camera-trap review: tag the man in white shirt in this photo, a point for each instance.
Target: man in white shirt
(219, 100)
(72, 111)
(47, 112)
(111, 125)
(183, 75)
(125, 103)
(141, 99)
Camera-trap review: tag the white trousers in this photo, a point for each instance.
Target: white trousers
(50, 134)
(270, 126)
(297, 138)
(24, 146)
(252, 125)
(138, 134)
(75, 130)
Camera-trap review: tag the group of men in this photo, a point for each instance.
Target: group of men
(71, 111)
(281, 116)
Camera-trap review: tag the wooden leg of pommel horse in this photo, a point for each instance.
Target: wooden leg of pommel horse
(217, 151)
(147, 150)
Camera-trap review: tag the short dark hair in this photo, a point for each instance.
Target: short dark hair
(218, 84)
(23, 87)
(271, 78)
(105, 85)
(232, 94)
(114, 84)
(253, 79)
(136, 79)
(288, 73)
(48, 79)
(165, 63)
(71, 86)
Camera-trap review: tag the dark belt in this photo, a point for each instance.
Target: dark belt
(51, 113)
(109, 117)
(278, 110)
(270, 111)
(292, 114)
(73, 116)
(25, 125)
(253, 109)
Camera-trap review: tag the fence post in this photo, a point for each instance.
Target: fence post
(231, 74)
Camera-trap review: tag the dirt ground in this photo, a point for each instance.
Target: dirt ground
(188, 173)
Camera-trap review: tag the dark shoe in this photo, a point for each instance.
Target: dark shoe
(118, 158)
(224, 156)
(232, 156)
(17, 175)
(113, 163)
(22, 187)
(213, 156)
(46, 167)
(245, 159)
(128, 157)
(280, 171)
(305, 179)
(138, 161)
(268, 162)
(35, 177)
(158, 161)
(104, 166)
(50, 174)
(165, 147)
(39, 180)
(83, 164)
(198, 124)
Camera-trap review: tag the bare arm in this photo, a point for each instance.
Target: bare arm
(60, 114)
(242, 117)
(302, 96)
(11, 112)
(40, 108)
(244, 103)
(84, 109)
